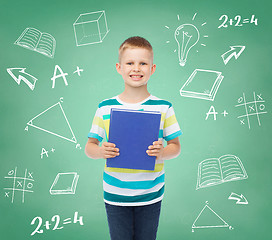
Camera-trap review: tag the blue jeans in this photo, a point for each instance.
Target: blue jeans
(133, 223)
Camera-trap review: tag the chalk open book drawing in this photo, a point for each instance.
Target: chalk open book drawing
(202, 84)
(64, 183)
(214, 171)
(35, 40)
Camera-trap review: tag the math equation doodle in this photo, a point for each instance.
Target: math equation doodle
(18, 184)
(55, 223)
(238, 21)
(251, 108)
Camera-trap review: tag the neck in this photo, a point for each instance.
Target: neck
(134, 95)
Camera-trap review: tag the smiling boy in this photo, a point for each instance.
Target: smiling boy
(133, 197)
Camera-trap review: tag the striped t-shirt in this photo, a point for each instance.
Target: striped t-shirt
(130, 187)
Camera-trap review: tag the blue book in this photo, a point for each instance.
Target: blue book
(133, 132)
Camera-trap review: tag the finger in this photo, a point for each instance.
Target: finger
(159, 142)
(152, 152)
(108, 144)
(112, 149)
(155, 151)
(111, 154)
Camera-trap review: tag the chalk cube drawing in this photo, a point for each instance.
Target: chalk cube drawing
(90, 28)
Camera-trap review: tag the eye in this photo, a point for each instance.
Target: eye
(129, 63)
(143, 63)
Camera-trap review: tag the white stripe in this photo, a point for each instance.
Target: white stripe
(98, 130)
(142, 176)
(135, 203)
(171, 129)
(130, 192)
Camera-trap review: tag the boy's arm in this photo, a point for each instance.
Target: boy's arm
(172, 149)
(106, 150)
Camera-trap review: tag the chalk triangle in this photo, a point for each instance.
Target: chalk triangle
(54, 121)
(208, 218)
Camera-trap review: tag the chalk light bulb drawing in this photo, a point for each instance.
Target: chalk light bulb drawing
(187, 36)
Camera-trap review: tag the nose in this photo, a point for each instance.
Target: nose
(136, 67)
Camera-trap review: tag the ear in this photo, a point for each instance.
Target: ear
(153, 68)
(118, 68)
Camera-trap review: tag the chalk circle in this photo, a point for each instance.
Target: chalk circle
(240, 99)
(11, 172)
(262, 107)
(29, 185)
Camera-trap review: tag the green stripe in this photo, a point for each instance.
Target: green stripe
(161, 133)
(173, 135)
(94, 135)
(132, 184)
(157, 102)
(128, 199)
(109, 102)
(106, 117)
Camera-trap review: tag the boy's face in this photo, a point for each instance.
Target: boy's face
(136, 66)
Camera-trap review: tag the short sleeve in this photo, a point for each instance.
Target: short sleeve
(171, 127)
(97, 130)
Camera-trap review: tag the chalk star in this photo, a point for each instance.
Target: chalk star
(225, 113)
(53, 150)
(78, 71)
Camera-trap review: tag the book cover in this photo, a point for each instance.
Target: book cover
(202, 84)
(214, 171)
(133, 132)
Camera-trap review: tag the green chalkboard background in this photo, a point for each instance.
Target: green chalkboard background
(202, 138)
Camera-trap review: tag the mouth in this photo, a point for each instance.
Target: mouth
(136, 76)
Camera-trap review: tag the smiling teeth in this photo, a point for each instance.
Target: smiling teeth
(136, 76)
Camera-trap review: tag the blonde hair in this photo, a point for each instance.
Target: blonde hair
(134, 42)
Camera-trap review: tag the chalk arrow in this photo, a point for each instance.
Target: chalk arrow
(240, 198)
(19, 74)
(235, 51)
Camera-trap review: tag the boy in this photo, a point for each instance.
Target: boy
(133, 197)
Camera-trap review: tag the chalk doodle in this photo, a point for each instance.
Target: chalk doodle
(253, 108)
(214, 171)
(202, 84)
(55, 220)
(62, 120)
(45, 152)
(213, 112)
(63, 75)
(186, 36)
(90, 28)
(208, 218)
(18, 184)
(240, 199)
(64, 183)
(37, 41)
(238, 21)
(19, 74)
(78, 71)
(235, 51)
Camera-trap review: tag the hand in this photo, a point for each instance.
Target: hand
(109, 150)
(156, 149)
